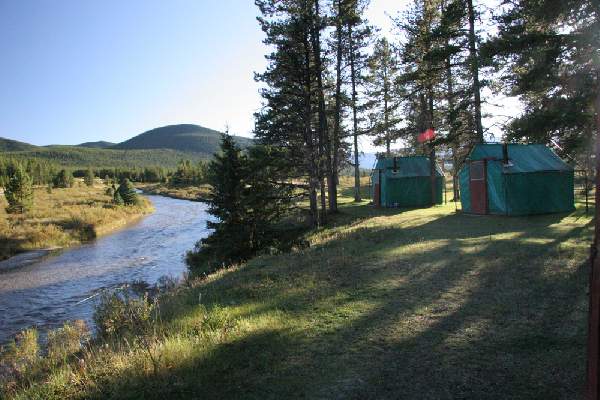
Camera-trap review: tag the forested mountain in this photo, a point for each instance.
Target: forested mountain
(165, 146)
(14, 145)
(79, 157)
(183, 137)
(101, 144)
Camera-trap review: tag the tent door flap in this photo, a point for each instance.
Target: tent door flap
(478, 186)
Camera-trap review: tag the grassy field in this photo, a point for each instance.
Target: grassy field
(62, 218)
(384, 304)
(193, 193)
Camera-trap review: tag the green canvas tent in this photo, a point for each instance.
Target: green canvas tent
(515, 179)
(404, 182)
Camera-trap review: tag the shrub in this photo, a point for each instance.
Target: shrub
(110, 192)
(133, 319)
(67, 340)
(19, 362)
(19, 192)
(121, 315)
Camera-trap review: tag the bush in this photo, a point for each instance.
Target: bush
(19, 192)
(63, 342)
(19, 362)
(121, 315)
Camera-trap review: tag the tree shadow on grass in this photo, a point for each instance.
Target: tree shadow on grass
(454, 307)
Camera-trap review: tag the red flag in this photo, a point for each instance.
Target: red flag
(429, 134)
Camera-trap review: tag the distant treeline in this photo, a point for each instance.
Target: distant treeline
(74, 157)
(43, 172)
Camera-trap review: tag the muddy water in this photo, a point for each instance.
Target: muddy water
(65, 286)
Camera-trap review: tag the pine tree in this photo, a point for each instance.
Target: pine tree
(383, 101)
(547, 55)
(288, 118)
(250, 194)
(127, 193)
(357, 34)
(89, 177)
(226, 244)
(19, 192)
(63, 179)
(117, 199)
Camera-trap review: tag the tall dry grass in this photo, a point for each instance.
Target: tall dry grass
(62, 218)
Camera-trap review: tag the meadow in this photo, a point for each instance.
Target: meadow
(63, 218)
(384, 303)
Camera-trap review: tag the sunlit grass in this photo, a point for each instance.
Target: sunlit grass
(385, 303)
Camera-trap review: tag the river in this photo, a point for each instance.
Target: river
(64, 286)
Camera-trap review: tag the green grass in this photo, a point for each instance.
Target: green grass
(398, 304)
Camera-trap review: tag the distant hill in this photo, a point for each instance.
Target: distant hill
(164, 146)
(185, 137)
(101, 144)
(83, 157)
(14, 145)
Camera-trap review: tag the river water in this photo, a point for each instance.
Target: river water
(65, 286)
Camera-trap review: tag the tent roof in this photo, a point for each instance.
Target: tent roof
(411, 166)
(522, 157)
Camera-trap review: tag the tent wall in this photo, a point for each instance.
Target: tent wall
(539, 192)
(410, 192)
(496, 188)
(465, 194)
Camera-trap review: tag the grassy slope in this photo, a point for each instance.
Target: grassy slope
(421, 304)
(63, 217)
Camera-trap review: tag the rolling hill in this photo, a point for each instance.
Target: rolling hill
(101, 144)
(184, 137)
(14, 145)
(164, 146)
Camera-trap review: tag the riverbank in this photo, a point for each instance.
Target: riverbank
(191, 193)
(63, 218)
(383, 304)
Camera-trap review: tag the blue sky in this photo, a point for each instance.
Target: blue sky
(75, 71)
(82, 70)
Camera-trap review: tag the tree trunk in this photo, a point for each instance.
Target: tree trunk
(386, 117)
(474, 61)
(357, 197)
(324, 139)
(451, 120)
(338, 105)
(593, 362)
(311, 157)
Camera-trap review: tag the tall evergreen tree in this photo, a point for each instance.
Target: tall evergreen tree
(88, 179)
(358, 34)
(19, 192)
(289, 117)
(383, 102)
(249, 196)
(63, 179)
